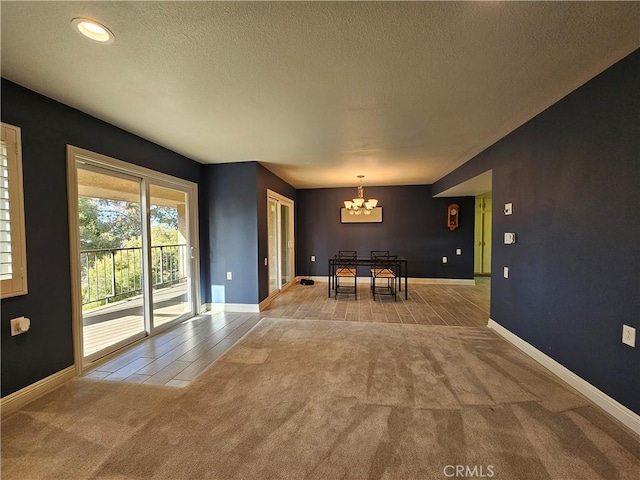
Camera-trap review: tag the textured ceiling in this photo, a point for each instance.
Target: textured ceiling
(402, 92)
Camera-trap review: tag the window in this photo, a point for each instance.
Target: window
(13, 257)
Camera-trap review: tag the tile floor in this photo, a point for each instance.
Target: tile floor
(176, 357)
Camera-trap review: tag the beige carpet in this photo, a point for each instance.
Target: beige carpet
(329, 400)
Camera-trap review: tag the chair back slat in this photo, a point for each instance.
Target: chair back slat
(345, 263)
(384, 266)
(346, 266)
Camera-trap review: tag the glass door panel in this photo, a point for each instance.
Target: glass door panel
(170, 254)
(112, 275)
(285, 246)
(280, 237)
(272, 221)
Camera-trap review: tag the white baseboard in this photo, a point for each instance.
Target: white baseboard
(235, 307)
(413, 281)
(604, 401)
(15, 401)
(442, 281)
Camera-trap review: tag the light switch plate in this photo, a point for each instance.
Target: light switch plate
(506, 272)
(229, 276)
(509, 238)
(313, 258)
(458, 251)
(444, 259)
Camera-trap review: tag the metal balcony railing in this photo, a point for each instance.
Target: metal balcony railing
(113, 274)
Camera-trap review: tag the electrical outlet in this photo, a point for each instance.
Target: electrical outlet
(508, 208)
(458, 251)
(505, 272)
(229, 276)
(628, 335)
(444, 259)
(313, 258)
(19, 325)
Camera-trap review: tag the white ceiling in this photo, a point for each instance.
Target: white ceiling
(402, 92)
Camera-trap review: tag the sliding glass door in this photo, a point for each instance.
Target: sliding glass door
(286, 244)
(135, 258)
(112, 273)
(280, 236)
(170, 255)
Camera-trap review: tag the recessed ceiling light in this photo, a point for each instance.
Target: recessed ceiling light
(93, 30)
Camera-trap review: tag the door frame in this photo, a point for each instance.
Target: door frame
(281, 199)
(140, 181)
(79, 155)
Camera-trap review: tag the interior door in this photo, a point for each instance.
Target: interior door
(486, 236)
(478, 230)
(482, 253)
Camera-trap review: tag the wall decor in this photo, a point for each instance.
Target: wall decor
(453, 212)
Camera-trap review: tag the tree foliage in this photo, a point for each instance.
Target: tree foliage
(113, 226)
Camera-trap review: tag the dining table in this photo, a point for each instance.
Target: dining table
(400, 265)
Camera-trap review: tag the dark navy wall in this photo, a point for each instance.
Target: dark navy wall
(233, 232)
(47, 127)
(267, 180)
(204, 232)
(573, 175)
(237, 225)
(414, 226)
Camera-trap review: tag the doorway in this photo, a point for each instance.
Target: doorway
(280, 234)
(134, 268)
(482, 257)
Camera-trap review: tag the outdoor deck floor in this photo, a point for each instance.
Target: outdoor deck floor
(113, 323)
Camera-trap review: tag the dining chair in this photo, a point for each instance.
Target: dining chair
(384, 270)
(376, 253)
(346, 268)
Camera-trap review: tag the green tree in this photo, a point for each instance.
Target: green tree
(114, 227)
(107, 223)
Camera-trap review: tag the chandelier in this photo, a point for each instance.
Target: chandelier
(358, 205)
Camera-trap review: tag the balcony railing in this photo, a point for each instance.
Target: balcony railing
(113, 274)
